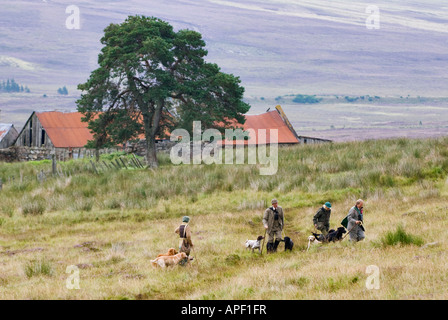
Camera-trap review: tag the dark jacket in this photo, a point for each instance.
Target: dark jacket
(322, 216)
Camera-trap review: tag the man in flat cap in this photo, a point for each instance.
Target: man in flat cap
(273, 221)
(321, 219)
(184, 232)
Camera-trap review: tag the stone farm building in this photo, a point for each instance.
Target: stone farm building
(275, 119)
(8, 135)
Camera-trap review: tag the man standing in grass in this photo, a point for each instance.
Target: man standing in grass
(273, 223)
(355, 220)
(321, 219)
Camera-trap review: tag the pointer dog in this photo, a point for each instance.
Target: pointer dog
(254, 244)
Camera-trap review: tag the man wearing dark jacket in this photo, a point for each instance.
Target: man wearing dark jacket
(321, 219)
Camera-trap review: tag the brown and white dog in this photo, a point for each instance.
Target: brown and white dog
(168, 261)
(171, 252)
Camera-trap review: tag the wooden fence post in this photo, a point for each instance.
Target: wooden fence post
(94, 168)
(53, 164)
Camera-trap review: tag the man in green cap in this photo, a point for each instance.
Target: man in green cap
(273, 221)
(321, 219)
(185, 243)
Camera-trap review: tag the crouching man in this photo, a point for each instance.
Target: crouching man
(185, 243)
(273, 223)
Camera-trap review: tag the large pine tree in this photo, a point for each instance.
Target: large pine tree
(148, 73)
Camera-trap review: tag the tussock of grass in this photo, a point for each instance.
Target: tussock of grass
(38, 267)
(400, 236)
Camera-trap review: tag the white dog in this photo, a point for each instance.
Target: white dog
(313, 240)
(254, 244)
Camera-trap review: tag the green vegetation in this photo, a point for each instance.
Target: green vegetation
(317, 172)
(160, 73)
(399, 236)
(38, 267)
(113, 223)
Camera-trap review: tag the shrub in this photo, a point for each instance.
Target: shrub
(399, 236)
(38, 267)
(34, 207)
(233, 259)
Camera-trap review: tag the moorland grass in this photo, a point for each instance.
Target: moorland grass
(112, 223)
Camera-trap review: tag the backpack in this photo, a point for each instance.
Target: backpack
(344, 222)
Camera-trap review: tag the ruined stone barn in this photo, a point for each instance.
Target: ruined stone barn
(67, 135)
(54, 129)
(8, 135)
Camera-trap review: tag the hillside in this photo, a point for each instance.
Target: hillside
(112, 224)
(277, 48)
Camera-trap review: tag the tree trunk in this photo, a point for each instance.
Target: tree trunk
(151, 152)
(151, 127)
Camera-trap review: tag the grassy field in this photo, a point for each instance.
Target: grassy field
(112, 224)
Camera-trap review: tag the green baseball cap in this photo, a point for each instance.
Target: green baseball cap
(328, 204)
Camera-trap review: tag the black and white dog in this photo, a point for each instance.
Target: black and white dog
(254, 244)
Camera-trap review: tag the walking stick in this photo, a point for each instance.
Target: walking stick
(264, 238)
(195, 256)
(351, 230)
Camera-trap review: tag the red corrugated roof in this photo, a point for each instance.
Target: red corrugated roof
(65, 130)
(267, 121)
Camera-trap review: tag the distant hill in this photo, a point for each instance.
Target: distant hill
(277, 48)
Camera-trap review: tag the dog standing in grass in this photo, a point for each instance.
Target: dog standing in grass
(254, 244)
(288, 243)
